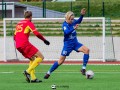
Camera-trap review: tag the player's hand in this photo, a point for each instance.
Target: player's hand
(83, 11)
(76, 26)
(46, 42)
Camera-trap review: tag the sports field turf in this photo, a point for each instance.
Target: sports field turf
(66, 77)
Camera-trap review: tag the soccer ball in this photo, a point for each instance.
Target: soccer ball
(53, 86)
(89, 74)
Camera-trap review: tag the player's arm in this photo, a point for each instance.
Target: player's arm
(79, 20)
(38, 34)
(67, 29)
(83, 11)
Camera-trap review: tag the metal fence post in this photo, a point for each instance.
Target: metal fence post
(103, 9)
(71, 6)
(5, 10)
(2, 9)
(88, 8)
(44, 8)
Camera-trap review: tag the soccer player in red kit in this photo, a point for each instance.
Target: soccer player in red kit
(21, 37)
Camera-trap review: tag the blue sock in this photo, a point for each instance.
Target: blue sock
(85, 60)
(54, 66)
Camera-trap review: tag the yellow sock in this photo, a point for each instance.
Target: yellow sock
(34, 64)
(32, 74)
(33, 77)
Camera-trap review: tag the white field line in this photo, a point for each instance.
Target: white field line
(65, 72)
(6, 72)
(62, 64)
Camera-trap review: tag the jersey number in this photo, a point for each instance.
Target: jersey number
(19, 28)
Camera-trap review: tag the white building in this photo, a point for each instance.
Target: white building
(16, 10)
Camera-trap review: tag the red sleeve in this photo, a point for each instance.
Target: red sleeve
(34, 30)
(39, 35)
(32, 26)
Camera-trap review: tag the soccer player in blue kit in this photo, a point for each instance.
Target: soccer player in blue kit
(70, 42)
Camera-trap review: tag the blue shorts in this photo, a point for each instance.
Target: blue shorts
(68, 48)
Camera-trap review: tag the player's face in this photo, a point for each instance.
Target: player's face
(71, 19)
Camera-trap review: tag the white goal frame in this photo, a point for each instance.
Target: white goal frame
(85, 18)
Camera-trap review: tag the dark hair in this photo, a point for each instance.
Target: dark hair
(27, 14)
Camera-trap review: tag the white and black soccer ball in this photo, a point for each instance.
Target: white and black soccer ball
(53, 86)
(89, 74)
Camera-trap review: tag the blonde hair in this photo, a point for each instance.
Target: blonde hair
(68, 15)
(27, 14)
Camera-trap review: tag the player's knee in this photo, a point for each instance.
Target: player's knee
(42, 57)
(87, 50)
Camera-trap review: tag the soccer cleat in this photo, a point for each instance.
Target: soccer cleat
(46, 76)
(83, 71)
(36, 81)
(27, 75)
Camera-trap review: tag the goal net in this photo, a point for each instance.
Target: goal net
(92, 32)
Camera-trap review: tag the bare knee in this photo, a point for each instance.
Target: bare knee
(87, 51)
(39, 55)
(42, 57)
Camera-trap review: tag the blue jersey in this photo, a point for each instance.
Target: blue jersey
(70, 37)
(69, 31)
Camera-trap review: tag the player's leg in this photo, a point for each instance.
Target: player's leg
(85, 50)
(38, 59)
(57, 63)
(27, 75)
(32, 53)
(32, 74)
(65, 52)
(31, 70)
(55, 66)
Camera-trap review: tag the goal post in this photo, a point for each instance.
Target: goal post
(91, 33)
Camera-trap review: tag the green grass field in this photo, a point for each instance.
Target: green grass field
(66, 77)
